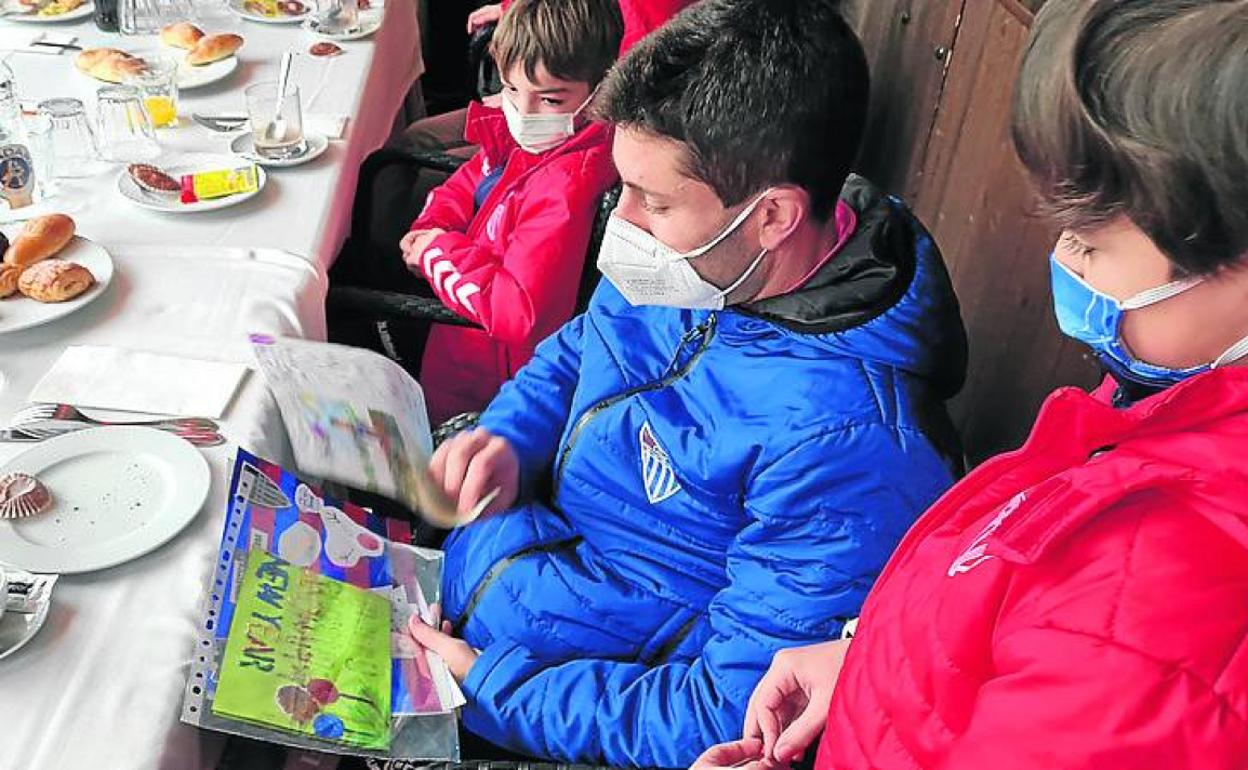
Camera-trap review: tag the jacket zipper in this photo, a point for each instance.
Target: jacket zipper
(499, 567)
(675, 371)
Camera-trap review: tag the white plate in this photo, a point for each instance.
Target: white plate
(317, 144)
(18, 628)
(118, 493)
(237, 6)
(189, 76)
(18, 312)
(81, 12)
(369, 23)
(170, 204)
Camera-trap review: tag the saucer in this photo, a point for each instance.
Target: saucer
(315, 145)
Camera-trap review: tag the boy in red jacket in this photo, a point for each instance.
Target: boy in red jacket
(1082, 603)
(504, 240)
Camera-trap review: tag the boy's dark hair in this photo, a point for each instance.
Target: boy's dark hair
(760, 93)
(1139, 108)
(575, 40)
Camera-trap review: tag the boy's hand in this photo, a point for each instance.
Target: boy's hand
(473, 464)
(457, 653)
(484, 15)
(414, 244)
(790, 705)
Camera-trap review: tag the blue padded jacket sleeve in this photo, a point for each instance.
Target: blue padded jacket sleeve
(531, 410)
(821, 522)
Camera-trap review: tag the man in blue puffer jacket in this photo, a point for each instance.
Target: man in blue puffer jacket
(717, 458)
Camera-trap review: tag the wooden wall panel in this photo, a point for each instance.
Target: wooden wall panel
(965, 183)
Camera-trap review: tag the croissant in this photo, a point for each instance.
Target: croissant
(214, 48)
(181, 35)
(109, 64)
(55, 280)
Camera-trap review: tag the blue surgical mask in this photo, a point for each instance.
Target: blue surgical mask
(1095, 319)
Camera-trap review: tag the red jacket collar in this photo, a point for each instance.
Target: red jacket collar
(486, 127)
(1191, 438)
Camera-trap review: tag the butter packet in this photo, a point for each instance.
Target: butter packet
(207, 185)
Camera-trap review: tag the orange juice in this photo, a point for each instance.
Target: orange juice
(162, 110)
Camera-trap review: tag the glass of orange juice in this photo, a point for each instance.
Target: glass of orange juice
(158, 85)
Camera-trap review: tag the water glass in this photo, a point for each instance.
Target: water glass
(38, 129)
(337, 17)
(124, 129)
(275, 135)
(73, 145)
(158, 85)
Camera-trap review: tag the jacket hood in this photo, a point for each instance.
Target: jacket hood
(885, 296)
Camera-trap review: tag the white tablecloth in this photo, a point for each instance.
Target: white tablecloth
(304, 210)
(101, 685)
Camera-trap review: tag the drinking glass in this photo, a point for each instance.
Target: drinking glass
(275, 135)
(124, 129)
(336, 17)
(39, 141)
(158, 85)
(73, 144)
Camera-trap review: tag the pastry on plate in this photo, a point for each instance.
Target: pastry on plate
(55, 280)
(214, 48)
(42, 237)
(181, 35)
(8, 280)
(325, 49)
(153, 179)
(109, 64)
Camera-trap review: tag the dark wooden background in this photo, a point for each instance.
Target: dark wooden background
(938, 136)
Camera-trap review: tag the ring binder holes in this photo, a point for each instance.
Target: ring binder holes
(208, 625)
(197, 689)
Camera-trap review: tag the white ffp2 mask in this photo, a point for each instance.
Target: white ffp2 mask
(647, 272)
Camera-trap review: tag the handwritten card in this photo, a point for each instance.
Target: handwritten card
(309, 654)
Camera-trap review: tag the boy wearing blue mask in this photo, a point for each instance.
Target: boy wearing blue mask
(715, 460)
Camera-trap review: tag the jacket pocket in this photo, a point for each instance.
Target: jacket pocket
(497, 569)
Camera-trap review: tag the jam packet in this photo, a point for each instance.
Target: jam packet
(207, 185)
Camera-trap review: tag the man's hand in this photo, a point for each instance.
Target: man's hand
(747, 753)
(484, 15)
(790, 705)
(471, 465)
(457, 653)
(414, 244)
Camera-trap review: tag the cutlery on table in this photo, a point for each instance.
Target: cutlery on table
(39, 421)
(220, 123)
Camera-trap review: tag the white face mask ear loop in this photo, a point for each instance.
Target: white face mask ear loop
(1232, 354)
(727, 231)
(744, 276)
(1160, 293)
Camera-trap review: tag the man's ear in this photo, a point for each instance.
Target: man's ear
(784, 209)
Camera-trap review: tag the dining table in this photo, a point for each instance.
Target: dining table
(101, 684)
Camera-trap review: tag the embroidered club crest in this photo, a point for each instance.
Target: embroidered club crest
(657, 474)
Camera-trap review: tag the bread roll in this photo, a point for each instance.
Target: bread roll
(54, 280)
(214, 48)
(181, 35)
(109, 64)
(41, 238)
(90, 58)
(8, 280)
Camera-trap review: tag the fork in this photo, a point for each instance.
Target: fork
(220, 124)
(68, 413)
(39, 431)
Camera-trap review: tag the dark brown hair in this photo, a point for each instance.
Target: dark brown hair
(759, 93)
(575, 40)
(1139, 108)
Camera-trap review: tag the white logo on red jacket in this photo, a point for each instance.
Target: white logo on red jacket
(976, 554)
(491, 226)
(657, 474)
